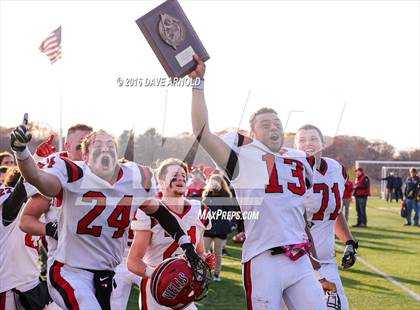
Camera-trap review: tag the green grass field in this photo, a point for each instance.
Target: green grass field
(385, 243)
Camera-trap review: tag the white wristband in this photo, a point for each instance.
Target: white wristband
(318, 274)
(149, 271)
(198, 84)
(24, 155)
(184, 239)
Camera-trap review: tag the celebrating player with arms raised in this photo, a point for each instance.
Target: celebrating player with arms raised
(323, 206)
(39, 205)
(273, 185)
(98, 197)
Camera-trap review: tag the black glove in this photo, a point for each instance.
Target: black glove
(51, 230)
(350, 254)
(198, 265)
(20, 136)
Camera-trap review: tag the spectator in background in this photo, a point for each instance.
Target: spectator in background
(390, 185)
(196, 188)
(3, 172)
(7, 159)
(348, 191)
(361, 194)
(217, 196)
(398, 187)
(208, 171)
(411, 193)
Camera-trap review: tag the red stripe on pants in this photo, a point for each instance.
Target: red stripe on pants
(60, 281)
(143, 286)
(248, 284)
(3, 301)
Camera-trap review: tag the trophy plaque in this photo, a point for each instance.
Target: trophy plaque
(172, 38)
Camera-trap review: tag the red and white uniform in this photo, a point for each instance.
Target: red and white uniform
(92, 226)
(274, 186)
(323, 204)
(124, 279)
(51, 216)
(162, 246)
(53, 211)
(18, 256)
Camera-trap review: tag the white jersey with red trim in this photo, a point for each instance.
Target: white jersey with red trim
(95, 215)
(52, 214)
(323, 204)
(162, 245)
(272, 186)
(18, 253)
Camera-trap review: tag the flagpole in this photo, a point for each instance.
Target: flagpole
(60, 81)
(60, 132)
(52, 47)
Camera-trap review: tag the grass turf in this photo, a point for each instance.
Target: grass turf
(385, 243)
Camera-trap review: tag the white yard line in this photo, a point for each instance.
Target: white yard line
(231, 263)
(390, 279)
(386, 276)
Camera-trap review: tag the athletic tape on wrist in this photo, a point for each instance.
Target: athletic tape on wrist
(24, 155)
(198, 86)
(318, 274)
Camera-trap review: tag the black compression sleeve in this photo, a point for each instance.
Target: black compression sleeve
(231, 169)
(168, 222)
(13, 204)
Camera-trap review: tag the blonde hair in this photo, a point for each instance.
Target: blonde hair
(12, 177)
(163, 167)
(88, 140)
(223, 183)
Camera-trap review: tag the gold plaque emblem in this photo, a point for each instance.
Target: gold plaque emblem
(171, 30)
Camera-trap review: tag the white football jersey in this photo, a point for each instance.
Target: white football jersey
(18, 254)
(272, 186)
(52, 214)
(162, 246)
(323, 204)
(95, 215)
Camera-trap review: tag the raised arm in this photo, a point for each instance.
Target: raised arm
(47, 184)
(217, 149)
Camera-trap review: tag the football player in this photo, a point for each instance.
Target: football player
(38, 205)
(273, 186)
(152, 244)
(124, 279)
(19, 274)
(323, 207)
(98, 197)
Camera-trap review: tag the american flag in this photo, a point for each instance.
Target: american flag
(51, 46)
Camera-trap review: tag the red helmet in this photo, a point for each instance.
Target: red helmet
(173, 284)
